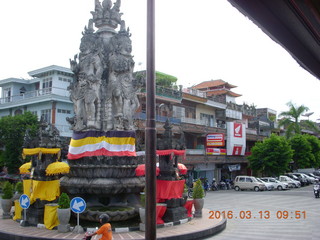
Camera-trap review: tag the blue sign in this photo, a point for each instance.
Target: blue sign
(24, 201)
(77, 205)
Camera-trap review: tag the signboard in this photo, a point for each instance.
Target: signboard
(24, 201)
(77, 205)
(216, 151)
(237, 149)
(236, 138)
(215, 140)
(237, 130)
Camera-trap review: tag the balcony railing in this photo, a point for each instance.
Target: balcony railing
(166, 92)
(143, 116)
(35, 94)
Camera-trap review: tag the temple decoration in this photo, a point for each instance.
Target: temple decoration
(102, 154)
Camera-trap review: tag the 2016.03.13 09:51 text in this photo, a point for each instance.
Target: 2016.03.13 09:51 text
(281, 214)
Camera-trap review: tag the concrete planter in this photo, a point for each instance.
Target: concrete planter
(142, 212)
(198, 205)
(64, 218)
(6, 205)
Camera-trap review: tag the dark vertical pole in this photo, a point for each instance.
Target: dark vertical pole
(150, 137)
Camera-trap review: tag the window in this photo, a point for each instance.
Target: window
(7, 94)
(46, 115)
(241, 179)
(47, 85)
(249, 180)
(64, 111)
(208, 119)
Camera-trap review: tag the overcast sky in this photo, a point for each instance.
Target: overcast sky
(195, 41)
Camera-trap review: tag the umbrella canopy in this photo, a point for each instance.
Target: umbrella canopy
(25, 168)
(141, 170)
(57, 168)
(182, 169)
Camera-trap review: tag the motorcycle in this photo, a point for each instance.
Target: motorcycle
(316, 190)
(214, 185)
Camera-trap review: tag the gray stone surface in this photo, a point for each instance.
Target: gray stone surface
(103, 91)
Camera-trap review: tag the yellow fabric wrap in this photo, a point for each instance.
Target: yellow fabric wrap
(45, 190)
(34, 151)
(25, 168)
(50, 218)
(57, 168)
(17, 210)
(27, 187)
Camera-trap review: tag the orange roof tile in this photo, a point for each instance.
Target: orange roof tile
(221, 92)
(213, 83)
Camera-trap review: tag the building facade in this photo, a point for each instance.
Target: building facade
(203, 113)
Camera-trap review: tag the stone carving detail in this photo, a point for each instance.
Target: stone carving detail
(103, 91)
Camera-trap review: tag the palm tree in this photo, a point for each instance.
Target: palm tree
(291, 119)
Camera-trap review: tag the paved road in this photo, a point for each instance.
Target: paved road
(267, 215)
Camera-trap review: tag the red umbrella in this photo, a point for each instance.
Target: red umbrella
(182, 169)
(141, 170)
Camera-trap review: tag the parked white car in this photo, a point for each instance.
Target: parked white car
(292, 183)
(269, 186)
(276, 183)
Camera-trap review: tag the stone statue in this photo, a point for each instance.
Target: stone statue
(121, 101)
(103, 90)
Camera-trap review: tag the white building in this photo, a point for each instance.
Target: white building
(45, 94)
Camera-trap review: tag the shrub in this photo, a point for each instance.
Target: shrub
(19, 187)
(7, 190)
(64, 201)
(143, 199)
(198, 191)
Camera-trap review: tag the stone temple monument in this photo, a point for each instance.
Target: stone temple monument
(102, 155)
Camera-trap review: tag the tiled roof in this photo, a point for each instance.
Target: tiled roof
(221, 92)
(213, 83)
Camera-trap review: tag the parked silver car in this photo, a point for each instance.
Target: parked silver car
(249, 183)
(269, 186)
(276, 183)
(292, 183)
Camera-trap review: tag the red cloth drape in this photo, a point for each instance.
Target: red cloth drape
(161, 209)
(188, 206)
(169, 189)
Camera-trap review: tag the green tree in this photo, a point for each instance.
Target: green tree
(12, 130)
(315, 150)
(302, 157)
(291, 119)
(272, 156)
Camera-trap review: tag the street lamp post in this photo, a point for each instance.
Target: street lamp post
(150, 136)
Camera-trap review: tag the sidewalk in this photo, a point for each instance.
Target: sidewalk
(197, 228)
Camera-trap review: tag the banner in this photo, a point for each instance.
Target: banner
(216, 151)
(235, 167)
(99, 143)
(215, 140)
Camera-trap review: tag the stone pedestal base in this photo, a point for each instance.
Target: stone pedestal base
(24, 223)
(78, 229)
(198, 214)
(175, 214)
(64, 228)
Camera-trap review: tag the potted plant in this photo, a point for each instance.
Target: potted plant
(6, 201)
(64, 213)
(198, 195)
(142, 210)
(18, 190)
